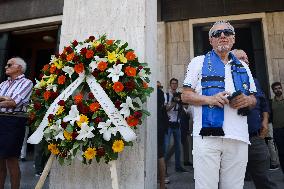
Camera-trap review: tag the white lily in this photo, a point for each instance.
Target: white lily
(57, 130)
(139, 102)
(142, 73)
(115, 72)
(73, 115)
(85, 132)
(39, 84)
(125, 107)
(98, 59)
(93, 65)
(51, 87)
(69, 70)
(106, 129)
(53, 59)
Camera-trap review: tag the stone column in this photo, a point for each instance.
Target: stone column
(133, 21)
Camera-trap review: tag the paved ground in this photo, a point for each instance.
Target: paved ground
(186, 181)
(178, 180)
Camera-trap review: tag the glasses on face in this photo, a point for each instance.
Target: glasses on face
(218, 33)
(10, 65)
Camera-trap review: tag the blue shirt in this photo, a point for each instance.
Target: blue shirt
(255, 116)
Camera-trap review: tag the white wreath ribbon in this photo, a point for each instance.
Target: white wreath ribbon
(116, 118)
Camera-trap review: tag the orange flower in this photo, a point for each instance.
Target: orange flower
(118, 86)
(94, 106)
(89, 54)
(109, 42)
(46, 95)
(61, 79)
(130, 71)
(132, 121)
(70, 57)
(52, 68)
(102, 66)
(79, 68)
(130, 55)
(45, 67)
(78, 98)
(145, 85)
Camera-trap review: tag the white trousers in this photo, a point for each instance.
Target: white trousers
(219, 163)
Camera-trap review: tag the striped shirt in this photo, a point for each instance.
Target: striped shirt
(19, 90)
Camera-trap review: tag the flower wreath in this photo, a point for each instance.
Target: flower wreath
(89, 100)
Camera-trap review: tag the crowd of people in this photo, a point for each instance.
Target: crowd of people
(235, 126)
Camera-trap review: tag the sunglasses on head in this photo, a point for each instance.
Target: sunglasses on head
(226, 32)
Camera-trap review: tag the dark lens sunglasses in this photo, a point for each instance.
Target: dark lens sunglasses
(226, 32)
(9, 65)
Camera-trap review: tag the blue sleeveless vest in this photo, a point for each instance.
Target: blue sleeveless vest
(213, 82)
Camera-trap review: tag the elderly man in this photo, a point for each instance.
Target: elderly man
(14, 97)
(258, 153)
(220, 130)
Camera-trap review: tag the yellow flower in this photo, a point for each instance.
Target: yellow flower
(53, 148)
(112, 57)
(96, 43)
(58, 64)
(42, 83)
(122, 58)
(83, 119)
(51, 79)
(60, 110)
(118, 146)
(67, 135)
(90, 153)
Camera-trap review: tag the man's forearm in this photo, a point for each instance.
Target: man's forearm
(8, 104)
(193, 98)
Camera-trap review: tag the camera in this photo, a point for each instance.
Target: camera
(177, 97)
(242, 111)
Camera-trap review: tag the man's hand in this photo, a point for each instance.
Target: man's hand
(263, 130)
(3, 98)
(219, 99)
(242, 101)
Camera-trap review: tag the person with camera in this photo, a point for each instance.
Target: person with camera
(174, 109)
(220, 129)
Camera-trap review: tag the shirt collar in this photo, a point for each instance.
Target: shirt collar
(18, 77)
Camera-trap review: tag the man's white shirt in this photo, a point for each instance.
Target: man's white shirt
(234, 126)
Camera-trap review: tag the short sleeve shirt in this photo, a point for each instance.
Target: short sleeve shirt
(235, 126)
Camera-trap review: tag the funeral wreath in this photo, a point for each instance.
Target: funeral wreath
(88, 100)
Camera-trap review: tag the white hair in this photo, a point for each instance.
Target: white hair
(21, 62)
(222, 22)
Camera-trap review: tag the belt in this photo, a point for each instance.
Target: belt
(254, 134)
(14, 114)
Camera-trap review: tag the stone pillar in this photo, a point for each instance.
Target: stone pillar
(134, 21)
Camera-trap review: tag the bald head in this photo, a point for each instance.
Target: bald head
(241, 55)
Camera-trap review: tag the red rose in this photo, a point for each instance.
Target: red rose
(76, 58)
(140, 67)
(83, 51)
(101, 151)
(74, 134)
(75, 43)
(63, 56)
(137, 114)
(64, 125)
(50, 117)
(69, 49)
(91, 38)
(100, 48)
(117, 104)
(37, 105)
(82, 108)
(91, 95)
(54, 95)
(61, 103)
(98, 120)
(38, 93)
(130, 85)
(40, 76)
(95, 73)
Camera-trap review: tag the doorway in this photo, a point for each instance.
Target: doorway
(35, 46)
(249, 37)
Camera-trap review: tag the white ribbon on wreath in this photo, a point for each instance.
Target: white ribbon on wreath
(114, 115)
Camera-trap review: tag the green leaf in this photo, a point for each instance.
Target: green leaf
(69, 128)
